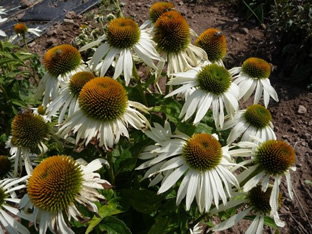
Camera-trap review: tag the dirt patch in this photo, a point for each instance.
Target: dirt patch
(291, 115)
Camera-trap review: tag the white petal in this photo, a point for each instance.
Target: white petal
(172, 179)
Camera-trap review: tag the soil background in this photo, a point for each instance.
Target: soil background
(291, 115)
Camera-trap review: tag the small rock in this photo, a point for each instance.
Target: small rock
(304, 143)
(180, 3)
(32, 44)
(70, 15)
(243, 30)
(285, 136)
(306, 136)
(69, 21)
(287, 120)
(25, 4)
(302, 109)
(293, 129)
(52, 33)
(310, 123)
(51, 42)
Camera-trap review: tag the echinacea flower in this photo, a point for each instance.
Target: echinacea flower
(21, 29)
(270, 161)
(256, 202)
(29, 131)
(156, 10)
(202, 162)
(2, 12)
(54, 188)
(213, 42)
(122, 39)
(6, 167)
(172, 35)
(197, 229)
(253, 121)
(254, 75)
(104, 113)
(68, 96)
(8, 210)
(59, 62)
(213, 87)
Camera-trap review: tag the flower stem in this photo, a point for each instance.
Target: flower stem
(111, 173)
(139, 85)
(25, 42)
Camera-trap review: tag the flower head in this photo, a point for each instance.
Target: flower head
(20, 28)
(8, 202)
(253, 121)
(123, 38)
(255, 202)
(158, 8)
(202, 162)
(68, 97)
(254, 74)
(270, 159)
(214, 43)
(104, 112)
(212, 86)
(56, 185)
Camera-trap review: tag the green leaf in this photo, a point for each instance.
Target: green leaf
(144, 201)
(114, 226)
(171, 108)
(203, 128)
(18, 102)
(113, 207)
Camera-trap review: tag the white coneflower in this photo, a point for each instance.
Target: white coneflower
(213, 42)
(270, 160)
(22, 29)
(29, 131)
(253, 121)
(8, 210)
(104, 113)
(67, 100)
(213, 88)
(200, 161)
(172, 35)
(124, 37)
(255, 202)
(54, 188)
(59, 61)
(2, 12)
(254, 75)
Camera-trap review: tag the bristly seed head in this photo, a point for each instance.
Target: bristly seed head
(275, 157)
(171, 32)
(258, 116)
(214, 79)
(158, 8)
(61, 59)
(123, 33)
(78, 80)
(202, 152)
(260, 201)
(214, 43)
(55, 183)
(256, 68)
(28, 130)
(5, 166)
(103, 98)
(20, 28)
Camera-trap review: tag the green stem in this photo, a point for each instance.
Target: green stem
(5, 94)
(139, 85)
(111, 173)
(25, 42)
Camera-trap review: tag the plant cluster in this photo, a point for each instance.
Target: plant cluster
(111, 149)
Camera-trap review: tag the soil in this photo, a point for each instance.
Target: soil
(291, 115)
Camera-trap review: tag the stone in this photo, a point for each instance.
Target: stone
(69, 21)
(302, 109)
(243, 30)
(70, 15)
(51, 42)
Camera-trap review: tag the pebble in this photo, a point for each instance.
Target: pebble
(70, 15)
(51, 42)
(302, 109)
(243, 30)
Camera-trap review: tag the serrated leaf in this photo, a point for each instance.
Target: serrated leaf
(113, 207)
(114, 226)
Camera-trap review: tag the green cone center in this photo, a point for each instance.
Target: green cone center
(5, 165)
(61, 59)
(55, 183)
(202, 152)
(78, 81)
(256, 68)
(171, 32)
(258, 116)
(214, 79)
(158, 9)
(103, 98)
(2, 197)
(123, 33)
(28, 130)
(275, 157)
(214, 43)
